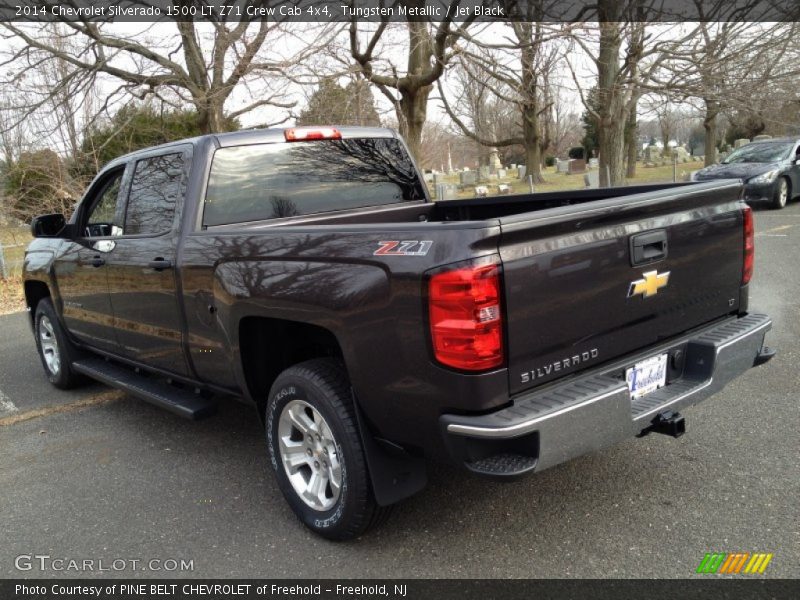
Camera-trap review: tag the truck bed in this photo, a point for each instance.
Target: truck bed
(471, 209)
(568, 267)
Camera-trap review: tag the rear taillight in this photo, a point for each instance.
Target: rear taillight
(749, 245)
(465, 317)
(303, 134)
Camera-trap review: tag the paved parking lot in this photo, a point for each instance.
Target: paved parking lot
(94, 474)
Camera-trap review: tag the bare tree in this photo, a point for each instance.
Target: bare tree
(515, 70)
(727, 60)
(564, 125)
(180, 63)
(483, 109)
(617, 66)
(625, 48)
(667, 124)
(429, 48)
(13, 132)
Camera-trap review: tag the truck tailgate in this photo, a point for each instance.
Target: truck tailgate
(585, 284)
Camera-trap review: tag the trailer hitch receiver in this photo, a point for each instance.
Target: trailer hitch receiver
(668, 423)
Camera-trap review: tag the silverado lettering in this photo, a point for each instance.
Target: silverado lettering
(265, 265)
(566, 363)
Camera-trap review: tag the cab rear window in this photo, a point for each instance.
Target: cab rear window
(271, 181)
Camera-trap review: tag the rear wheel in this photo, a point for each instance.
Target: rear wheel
(782, 191)
(55, 350)
(316, 451)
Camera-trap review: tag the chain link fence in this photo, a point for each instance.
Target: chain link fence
(10, 259)
(14, 237)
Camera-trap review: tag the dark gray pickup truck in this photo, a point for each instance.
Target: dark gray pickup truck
(306, 272)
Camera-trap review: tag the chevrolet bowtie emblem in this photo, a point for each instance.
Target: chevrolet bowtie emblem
(651, 282)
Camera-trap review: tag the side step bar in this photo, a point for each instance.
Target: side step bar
(181, 402)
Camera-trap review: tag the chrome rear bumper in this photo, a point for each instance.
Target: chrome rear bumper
(547, 427)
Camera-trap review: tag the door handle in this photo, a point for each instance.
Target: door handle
(648, 247)
(98, 261)
(160, 264)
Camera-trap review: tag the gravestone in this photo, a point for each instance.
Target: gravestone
(763, 136)
(494, 160)
(468, 178)
(446, 192)
(501, 173)
(481, 191)
(438, 179)
(504, 188)
(577, 165)
(483, 173)
(652, 153)
(592, 179)
(740, 142)
(562, 166)
(680, 153)
(594, 163)
(522, 170)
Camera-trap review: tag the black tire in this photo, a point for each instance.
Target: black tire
(323, 385)
(46, 327)
(783, 193)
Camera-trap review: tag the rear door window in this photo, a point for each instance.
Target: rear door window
(156, 186)
(271, 181)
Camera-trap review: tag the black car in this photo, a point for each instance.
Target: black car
(770, 170)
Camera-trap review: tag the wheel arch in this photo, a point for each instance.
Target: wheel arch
(35, 292)
(268, 346)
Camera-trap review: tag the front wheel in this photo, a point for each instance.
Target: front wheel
(55, 350)
(316, 451)
(781, 197)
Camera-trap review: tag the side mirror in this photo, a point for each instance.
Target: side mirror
(797, 162)
(50, 226)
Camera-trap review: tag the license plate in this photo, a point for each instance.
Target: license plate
(647, 376)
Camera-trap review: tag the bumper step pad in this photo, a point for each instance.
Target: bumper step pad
(503, 465)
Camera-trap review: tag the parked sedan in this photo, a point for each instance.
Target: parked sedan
(770, 170)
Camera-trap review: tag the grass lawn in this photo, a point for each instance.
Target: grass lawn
(555, 182)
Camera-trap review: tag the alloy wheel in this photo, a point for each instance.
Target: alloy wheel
(49, 345)
(309, 455)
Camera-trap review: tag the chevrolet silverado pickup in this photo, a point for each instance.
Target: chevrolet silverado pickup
(306, 272)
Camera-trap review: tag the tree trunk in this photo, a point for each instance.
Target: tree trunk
(631, 144)
(414, 111)
(710, 126)
(530, 112)
(413, 96)
(533, 151)
(612, 109)
(665, 135)
(612, 152)
(210, 116)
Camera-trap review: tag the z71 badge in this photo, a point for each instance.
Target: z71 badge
(404, 248)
